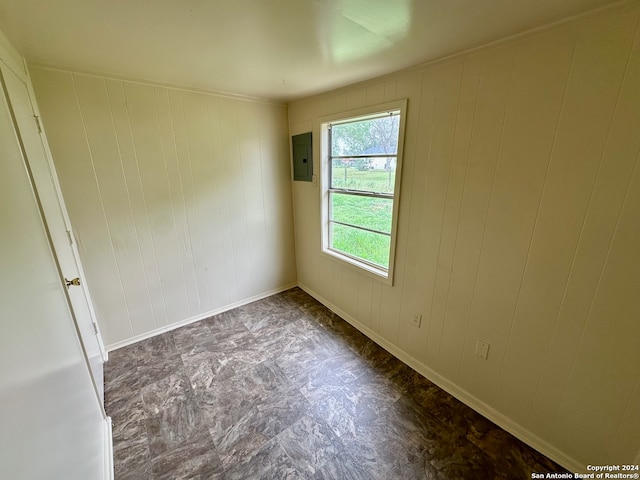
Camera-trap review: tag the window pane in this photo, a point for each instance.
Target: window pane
(365, 174)
(367, 212)
(361, 164)
(373, 247)
(366, 137)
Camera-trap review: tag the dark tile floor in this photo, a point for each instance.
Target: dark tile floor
(283, 388)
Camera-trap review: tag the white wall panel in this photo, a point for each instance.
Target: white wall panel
(181, 201)
(458, 162)
(276, 183)
(493, 89)
(608, 192)
(577, 152)
(127, 238)
(538, 83)
(86, 207)
(364, 299)
(518, 225)
(176, 190)
(158, 242)
(192, 230)
(447, 86)
(607, 350)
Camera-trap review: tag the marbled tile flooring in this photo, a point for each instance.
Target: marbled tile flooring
(283, 388)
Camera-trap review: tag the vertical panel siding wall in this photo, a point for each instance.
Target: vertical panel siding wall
(180, 201)
(519, 225)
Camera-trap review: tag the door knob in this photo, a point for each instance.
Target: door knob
(75, 281)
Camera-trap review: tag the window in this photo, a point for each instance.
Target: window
(361, 156)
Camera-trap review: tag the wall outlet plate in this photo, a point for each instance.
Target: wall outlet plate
(482, 349)
(416, 319)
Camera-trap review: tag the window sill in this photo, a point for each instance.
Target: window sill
(379, 274)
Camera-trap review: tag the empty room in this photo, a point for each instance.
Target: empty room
(319, 239)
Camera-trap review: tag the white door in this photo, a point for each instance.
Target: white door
(52, 424)
(55, 213)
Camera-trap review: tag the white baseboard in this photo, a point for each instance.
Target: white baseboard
(465, 397)
(108, 449)
(202, 316)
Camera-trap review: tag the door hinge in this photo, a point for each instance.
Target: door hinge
(38, 123)
(70, 236)
(95, 328)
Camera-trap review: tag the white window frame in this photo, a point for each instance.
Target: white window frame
(380, 273)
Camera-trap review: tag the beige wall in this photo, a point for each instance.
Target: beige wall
(180, 201)
(519, 225)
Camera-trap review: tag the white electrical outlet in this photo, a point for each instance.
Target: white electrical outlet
(482, 349)
(416, 320)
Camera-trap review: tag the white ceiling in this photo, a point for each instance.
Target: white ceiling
(277, 49)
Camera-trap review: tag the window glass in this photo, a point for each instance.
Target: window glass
(362, 244)
(366, 137)
(368, 212)
(360, 182)
(367, 175)
(363, 153)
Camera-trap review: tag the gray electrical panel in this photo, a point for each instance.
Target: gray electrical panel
(302, 157)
